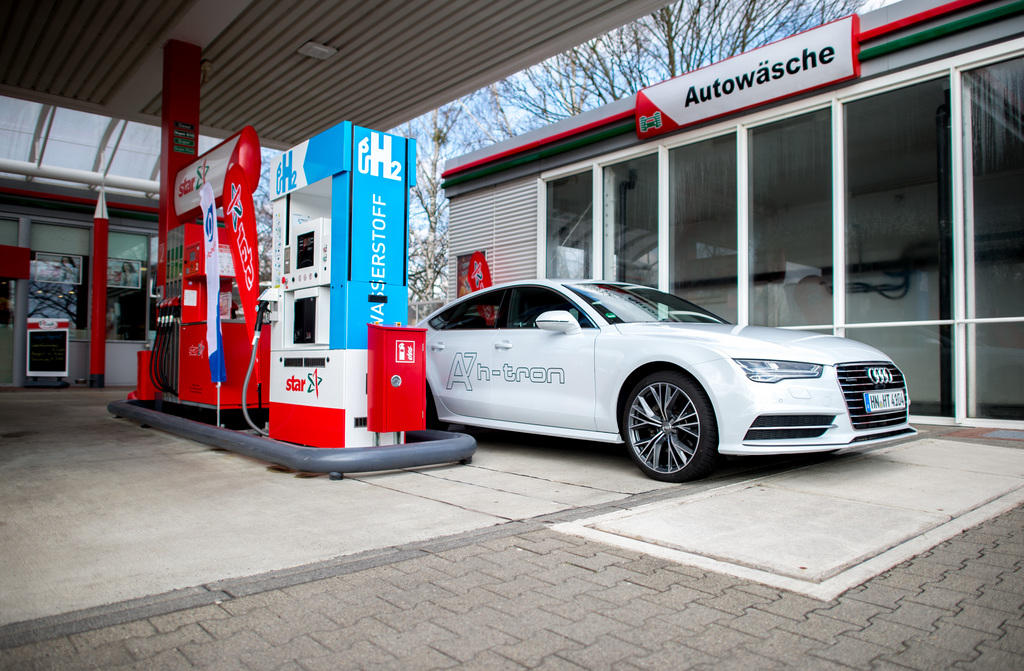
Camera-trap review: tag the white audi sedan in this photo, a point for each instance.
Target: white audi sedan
(618, 362)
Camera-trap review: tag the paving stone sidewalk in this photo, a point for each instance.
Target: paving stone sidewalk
(522, 596)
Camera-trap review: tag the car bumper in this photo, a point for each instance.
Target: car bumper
(790, 416)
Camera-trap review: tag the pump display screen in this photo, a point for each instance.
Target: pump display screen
(305, 320)
(305, 251)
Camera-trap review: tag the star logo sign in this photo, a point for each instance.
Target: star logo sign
(201, 175)
(314, 383)
(235, 206)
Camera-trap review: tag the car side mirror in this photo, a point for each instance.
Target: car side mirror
(559, 321)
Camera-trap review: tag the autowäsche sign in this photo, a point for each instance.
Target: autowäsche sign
(813, 59)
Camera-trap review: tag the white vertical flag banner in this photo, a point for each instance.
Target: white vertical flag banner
(211, 254)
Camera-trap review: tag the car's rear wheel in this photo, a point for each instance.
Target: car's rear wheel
(669, 427)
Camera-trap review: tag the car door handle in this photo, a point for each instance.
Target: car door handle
(503, 344)
(437, 347)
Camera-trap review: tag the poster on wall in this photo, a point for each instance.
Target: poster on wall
(60, 268)
(124, 273)
(473, 273)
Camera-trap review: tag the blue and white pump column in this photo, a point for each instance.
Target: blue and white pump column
(340, 243)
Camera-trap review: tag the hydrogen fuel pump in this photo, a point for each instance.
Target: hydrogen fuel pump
(339, 255)
(339, 250)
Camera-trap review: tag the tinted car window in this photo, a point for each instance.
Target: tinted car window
(620, 303)
(527, 303)
(479, 312)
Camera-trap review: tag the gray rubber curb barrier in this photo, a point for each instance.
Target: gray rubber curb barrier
(423, 448)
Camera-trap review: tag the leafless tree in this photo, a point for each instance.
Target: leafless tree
(428, 230)
(680, 37)
(264, 213)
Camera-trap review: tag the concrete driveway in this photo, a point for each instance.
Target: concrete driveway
(99, 510)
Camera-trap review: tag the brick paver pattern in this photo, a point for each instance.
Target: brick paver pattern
(543, 600)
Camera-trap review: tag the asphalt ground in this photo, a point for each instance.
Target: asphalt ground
(124, 547)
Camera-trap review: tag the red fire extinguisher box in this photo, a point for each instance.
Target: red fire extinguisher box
(396, 383)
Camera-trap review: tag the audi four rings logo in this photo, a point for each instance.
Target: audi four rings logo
(880, 375)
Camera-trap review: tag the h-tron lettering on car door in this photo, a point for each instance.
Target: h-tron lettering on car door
(465, 369)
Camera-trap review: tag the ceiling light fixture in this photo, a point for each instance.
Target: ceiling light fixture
(316, 50)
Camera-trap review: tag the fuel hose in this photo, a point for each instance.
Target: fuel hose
(261, 311)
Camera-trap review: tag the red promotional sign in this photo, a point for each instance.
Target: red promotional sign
(479, 273)
(240, 231)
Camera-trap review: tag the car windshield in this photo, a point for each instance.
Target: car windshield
(621, 303)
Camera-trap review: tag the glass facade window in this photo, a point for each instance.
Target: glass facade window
(570, 226)
(898, 217)
(702, 224)
(9, 232)
(994, 215)
(631, 221)
(59, 283)
(790, 239)
(7, 294)
(899, 239)
(127, 270)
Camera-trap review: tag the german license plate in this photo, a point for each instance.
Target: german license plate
(884, 401)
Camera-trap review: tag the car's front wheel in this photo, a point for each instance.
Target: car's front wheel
(669, 427)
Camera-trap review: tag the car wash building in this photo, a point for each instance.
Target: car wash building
(864, 179)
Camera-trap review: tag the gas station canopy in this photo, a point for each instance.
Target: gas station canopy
(290, 69)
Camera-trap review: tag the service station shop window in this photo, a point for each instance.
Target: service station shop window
(631, 221)
(127, 269)
(897, 194)
(570, 226)
(702, 224)
(791, 221)
(994, 218)
(899, 242)
(59, 276)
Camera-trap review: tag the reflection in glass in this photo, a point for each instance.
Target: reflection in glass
(994, 152)
(994, 202)
(702, 224)
(923, 353)
(995, 390)
(898, 219)
(631, 221)
(570, 226)
(791, 222)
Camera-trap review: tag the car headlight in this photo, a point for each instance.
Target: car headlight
(766, 370)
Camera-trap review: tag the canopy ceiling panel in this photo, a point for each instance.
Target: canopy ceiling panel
(395, 59)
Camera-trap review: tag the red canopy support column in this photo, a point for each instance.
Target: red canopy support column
(98, 287)
(179, 132)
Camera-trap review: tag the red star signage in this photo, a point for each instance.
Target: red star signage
(818, 57)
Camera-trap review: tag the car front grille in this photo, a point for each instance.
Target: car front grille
(781, 427)
(855, 381)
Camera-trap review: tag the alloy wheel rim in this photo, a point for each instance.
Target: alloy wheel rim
(664, 428)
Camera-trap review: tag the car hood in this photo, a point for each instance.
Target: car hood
(758, 342)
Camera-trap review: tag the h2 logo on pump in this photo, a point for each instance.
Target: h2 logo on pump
(375, 157)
